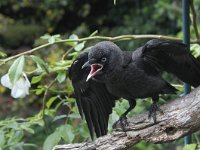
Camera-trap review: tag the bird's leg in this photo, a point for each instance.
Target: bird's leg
(154, 108)
(123, 118)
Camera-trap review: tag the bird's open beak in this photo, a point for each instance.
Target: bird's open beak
(93, 71)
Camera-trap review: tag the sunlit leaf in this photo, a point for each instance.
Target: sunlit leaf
(50, 101)
(59, 117)
(79, 47)
(56, 35)
(36, 79)
(75, 116)
(61, 76)
(178, 87)
(51, 40)
(195, 48)
(16, 136)
(40, 62)
(58, 105)
(39, 90)
(46, 36)
(50, 112)
(2, 54)
(51, 141)
(16, 69)
(2, 139)
(66, 132)
(28, 129)
(73, 37)
(190, 147)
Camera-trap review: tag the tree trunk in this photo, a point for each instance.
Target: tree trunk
(181, 117)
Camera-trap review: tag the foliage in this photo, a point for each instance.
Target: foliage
(12, 131)
(51, 94)
(190, 147)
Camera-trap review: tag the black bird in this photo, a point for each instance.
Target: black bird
(107, 73)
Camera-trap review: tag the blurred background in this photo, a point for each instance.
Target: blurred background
(48, 119)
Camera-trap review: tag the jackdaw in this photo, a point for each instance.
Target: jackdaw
(107, 73)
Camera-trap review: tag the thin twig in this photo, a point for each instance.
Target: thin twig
(66, 53)
(44, 103)
(194, 19)
(3, 61)
(117, 38)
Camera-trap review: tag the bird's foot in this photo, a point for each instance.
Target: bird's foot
(123, 122)
(152, 112)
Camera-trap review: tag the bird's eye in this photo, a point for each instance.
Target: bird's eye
(103, 59)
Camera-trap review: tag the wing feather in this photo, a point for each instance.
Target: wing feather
(93, 99)
(173, 57)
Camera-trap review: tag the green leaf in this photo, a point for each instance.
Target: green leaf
(39, 90)
(51, 40)
(51, 141)
(16, 69)
(61, 76)
(58, 105)
(75, 116)
(50, 112)
(50, 101)
(66, 132)
(79, 47)
(37, 79)
(195, 48)
(56, 35)
(2, 139)
(30, 130)
(190, 147)
(2, 54)
(178, 87)
(40, 62)
(15, 136)
(73, 37)
(59, 117)
(46, 36)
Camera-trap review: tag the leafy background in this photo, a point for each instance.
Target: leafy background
(49, 116)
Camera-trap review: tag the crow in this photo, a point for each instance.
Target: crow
(107, 73)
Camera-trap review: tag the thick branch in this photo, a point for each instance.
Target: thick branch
(181, 117)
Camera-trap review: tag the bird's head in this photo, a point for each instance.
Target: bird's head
(102, 59)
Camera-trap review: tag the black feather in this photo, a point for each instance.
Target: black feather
(93, 100)
(174, 58)
(128, 75)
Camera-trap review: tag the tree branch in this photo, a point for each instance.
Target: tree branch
(117, 38)
(181, 117)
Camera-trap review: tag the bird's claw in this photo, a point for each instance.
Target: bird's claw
(123, 123)
(152, 112)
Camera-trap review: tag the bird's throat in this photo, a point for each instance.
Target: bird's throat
(95, 68)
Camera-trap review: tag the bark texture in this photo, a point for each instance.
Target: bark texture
(181, 117)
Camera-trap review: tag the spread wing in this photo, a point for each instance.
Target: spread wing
(173, 57)
(93, 100)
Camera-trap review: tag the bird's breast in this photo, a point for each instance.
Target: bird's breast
(131, 84)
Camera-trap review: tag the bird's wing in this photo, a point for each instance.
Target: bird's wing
(173, 57)
(93, 99)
